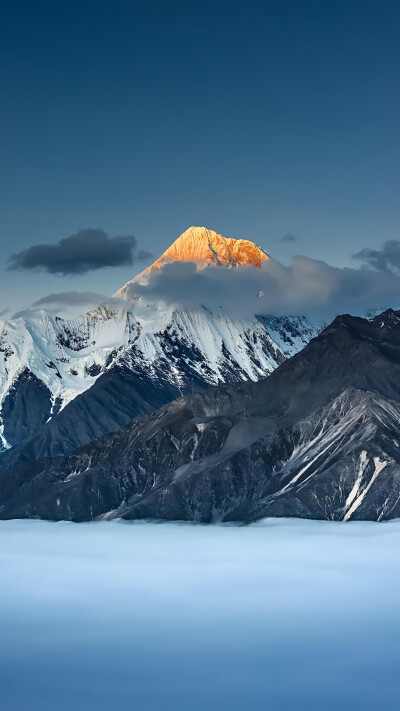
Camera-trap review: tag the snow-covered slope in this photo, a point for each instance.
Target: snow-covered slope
(46, 361)
(319, 438)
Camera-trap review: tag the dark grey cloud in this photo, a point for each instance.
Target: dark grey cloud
(307, 286)
(70, 298)
(385, 260)
(85, 251)
(288, 237)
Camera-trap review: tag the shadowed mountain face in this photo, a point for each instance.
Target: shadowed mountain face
(319, 438)
(131, 385)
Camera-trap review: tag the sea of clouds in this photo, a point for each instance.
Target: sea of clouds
(278, 616)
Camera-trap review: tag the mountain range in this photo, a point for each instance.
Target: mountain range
(136, 354)
(318, 438)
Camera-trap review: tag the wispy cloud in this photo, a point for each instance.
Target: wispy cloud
(70, 298)
(288, 237)
(30, 313)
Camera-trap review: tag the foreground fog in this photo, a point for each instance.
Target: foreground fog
(279, 616)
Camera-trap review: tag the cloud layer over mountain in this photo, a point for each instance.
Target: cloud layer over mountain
(306, 286)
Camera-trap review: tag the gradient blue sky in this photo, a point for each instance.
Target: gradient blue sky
(253, 118)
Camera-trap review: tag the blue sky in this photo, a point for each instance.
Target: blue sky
(256, 119)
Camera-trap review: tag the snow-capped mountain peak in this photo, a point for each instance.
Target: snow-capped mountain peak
(46, 361)
(205, 247)
(198, 244)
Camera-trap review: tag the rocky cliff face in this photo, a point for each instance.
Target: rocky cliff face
(319, 438)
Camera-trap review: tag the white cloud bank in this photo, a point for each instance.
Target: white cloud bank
(307, 286)
(287, 615)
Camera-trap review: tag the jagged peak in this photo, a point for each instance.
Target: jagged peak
(203, 247)
(199, 244)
